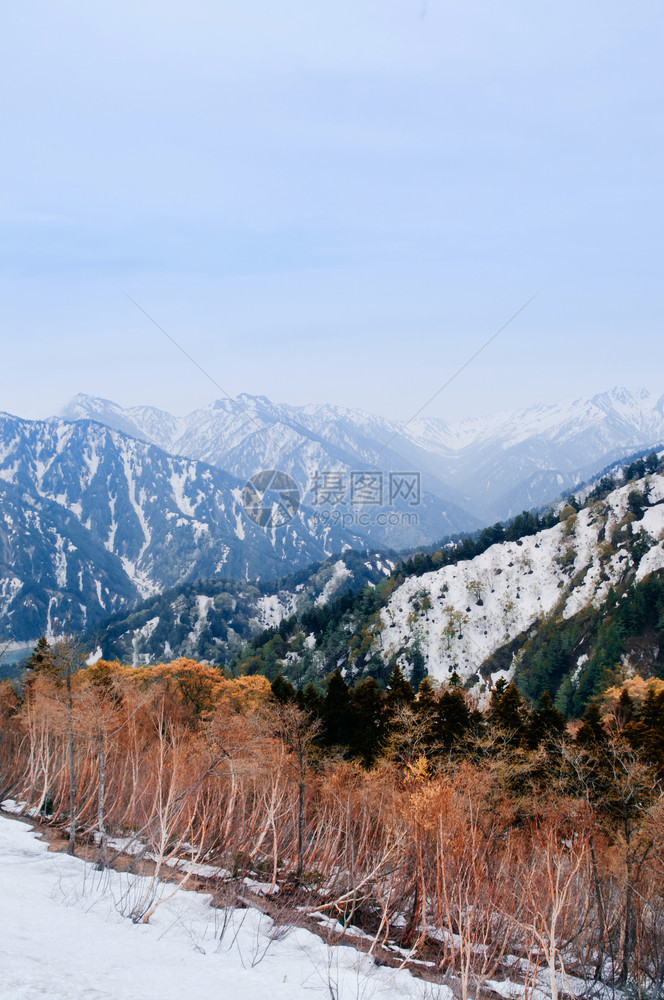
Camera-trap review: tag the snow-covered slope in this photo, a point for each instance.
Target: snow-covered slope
(460, 615)
(63, 935)
(534, 600)
(482, 469)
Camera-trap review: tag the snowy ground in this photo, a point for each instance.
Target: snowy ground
(460, 615)
(63, 935)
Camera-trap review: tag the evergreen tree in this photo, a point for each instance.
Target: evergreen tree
(652, 462)
(418, 667)
(368, 710)
(497, 694)
(645, 731)
(337, 711)
(624, 713)
(592, 731)
(426, 710)
(546, 724)
(425, 703)
(282, 690)
(453, 720)
(508, 711)
(43, 661)
(399, 691)
(311, 701)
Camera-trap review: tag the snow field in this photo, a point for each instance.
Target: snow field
(63, 936)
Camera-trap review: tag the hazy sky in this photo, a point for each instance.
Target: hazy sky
(335, 201)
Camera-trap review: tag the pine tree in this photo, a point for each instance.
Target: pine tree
(282, 690)
(546, 724)
(399, 691)
(425, 703)
(419, 670)
(311, 701)
(368, 708)
(624, 712)
(592, 730)
(508, 711)
(426, 710)
(43, 661)
(646, 730)
(497, 694)
(453, 720)
(337, 712)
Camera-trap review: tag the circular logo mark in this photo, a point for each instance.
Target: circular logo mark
(271, 498)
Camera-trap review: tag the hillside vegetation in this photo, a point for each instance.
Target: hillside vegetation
(494, 845)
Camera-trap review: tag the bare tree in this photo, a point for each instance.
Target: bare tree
(550, 890)
(299, 733)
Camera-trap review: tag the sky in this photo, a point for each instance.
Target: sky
(330, 202)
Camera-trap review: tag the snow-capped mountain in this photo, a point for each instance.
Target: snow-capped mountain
(518, 460)
(482, 469)
(328, 446)
(212, 620)
(91, 519)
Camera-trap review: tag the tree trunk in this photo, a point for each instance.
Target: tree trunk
(413, 920)
(71, 846)
(300, 816)
(659, 982)
(101, 865)
(600, 909)
(629, 939)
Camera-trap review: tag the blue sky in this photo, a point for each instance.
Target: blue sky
(330, 201)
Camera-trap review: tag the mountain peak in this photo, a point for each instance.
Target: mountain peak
(87, 403)
(489, 466)
(248, 397)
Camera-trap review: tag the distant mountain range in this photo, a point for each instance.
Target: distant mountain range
(482, 469)
(103, 505)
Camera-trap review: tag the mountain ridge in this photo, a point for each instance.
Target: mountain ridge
(77, 496)
(490, 467)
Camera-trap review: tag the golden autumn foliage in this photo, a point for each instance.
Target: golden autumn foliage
(199, 686)
(8, 700)
(637, 688)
